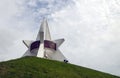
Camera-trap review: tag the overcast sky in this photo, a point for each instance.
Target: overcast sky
(91, 29)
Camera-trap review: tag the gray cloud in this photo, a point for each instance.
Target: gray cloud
(91, 29)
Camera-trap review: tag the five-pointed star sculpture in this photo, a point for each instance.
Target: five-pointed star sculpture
(43, 46)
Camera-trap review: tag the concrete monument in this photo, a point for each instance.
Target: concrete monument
(44, 46)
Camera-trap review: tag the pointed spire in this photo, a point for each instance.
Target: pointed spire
(47, 32)
(44, 31)
(41, 31)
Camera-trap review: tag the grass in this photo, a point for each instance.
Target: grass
(33, 67)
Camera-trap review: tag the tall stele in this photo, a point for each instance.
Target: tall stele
(43, 46)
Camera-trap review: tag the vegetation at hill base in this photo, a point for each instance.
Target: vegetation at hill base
(33, 67)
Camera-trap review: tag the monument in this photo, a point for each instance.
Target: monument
(44, 46)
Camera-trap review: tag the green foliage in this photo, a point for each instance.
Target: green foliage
(33, 67)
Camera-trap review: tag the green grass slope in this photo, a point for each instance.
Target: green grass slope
(33, 67)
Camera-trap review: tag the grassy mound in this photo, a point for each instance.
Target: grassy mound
(33, 67)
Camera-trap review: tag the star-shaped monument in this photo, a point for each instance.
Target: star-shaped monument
(43, 46)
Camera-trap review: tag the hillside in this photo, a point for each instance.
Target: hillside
(33, 67)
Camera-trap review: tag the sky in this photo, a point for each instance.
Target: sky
(91, 30)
